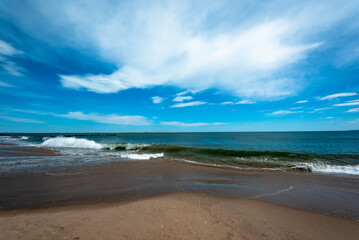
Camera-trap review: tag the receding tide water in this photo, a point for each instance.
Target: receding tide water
(324, 152)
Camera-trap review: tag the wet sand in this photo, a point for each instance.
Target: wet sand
(120, 181)
(175, 216)
(12, 150)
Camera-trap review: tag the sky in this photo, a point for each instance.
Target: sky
(179, 66)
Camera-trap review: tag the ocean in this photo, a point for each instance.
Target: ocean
(321, 152)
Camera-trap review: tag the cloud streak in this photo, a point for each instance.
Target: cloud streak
(188, 104)
(21, 120)
(283, 112)
(338, 95)
(6, 51)
(182, 124)
(108, 119)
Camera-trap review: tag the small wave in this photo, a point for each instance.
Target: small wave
(70, 142)
(125, 146)
(334, 169)
(143, 156)
(24, 138)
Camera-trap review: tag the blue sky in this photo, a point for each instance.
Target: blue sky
(122, 66)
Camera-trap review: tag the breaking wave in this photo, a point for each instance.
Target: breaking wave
(142, 156)
(333, 169)
(70, 142)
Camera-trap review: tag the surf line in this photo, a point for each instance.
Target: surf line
(272, 194)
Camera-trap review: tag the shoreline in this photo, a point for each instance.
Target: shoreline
(173, 216)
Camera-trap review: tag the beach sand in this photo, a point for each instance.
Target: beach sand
(175, 216)
(161, 199)
(11, 150)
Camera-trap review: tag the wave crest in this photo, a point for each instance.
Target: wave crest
(143, 156)
(332, 169)
(70, 142)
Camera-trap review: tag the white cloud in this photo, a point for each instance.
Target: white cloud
(330, 117)
(191, 91)
(284, 112)
(295, 108)
(337, 95)
(182, 124)
(227, 103)
(220, 123)
(182, 98)
(4, 84)
(188, 104)
(21, 120)
(109, 119)
(12, 68)
(157, 44)
(348, 103)
(353, 110)
(303, 101)
(319, 110)
(9, 66)
(245, 102)
(7, 49)
(157, 99)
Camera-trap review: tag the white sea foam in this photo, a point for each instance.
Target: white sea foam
(143, 156)
(273, 193)
(134, 146)
(333, 169)
(127, 146)
(70, 142)
(24, 137)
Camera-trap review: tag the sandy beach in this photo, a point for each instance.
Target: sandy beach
(175, 216)
(162, 199)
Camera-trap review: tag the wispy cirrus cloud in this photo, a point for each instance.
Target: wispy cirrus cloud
(4, 84)
(338, 95)
(182, 124)
(6, 51)
(348, 103)
(303, 101)
(227, 103)
(319, 110)
(21, 120)
(245, 101)
(188, 104)
(353, 110)
(241, 102)
(109, 119)
(283, 112)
